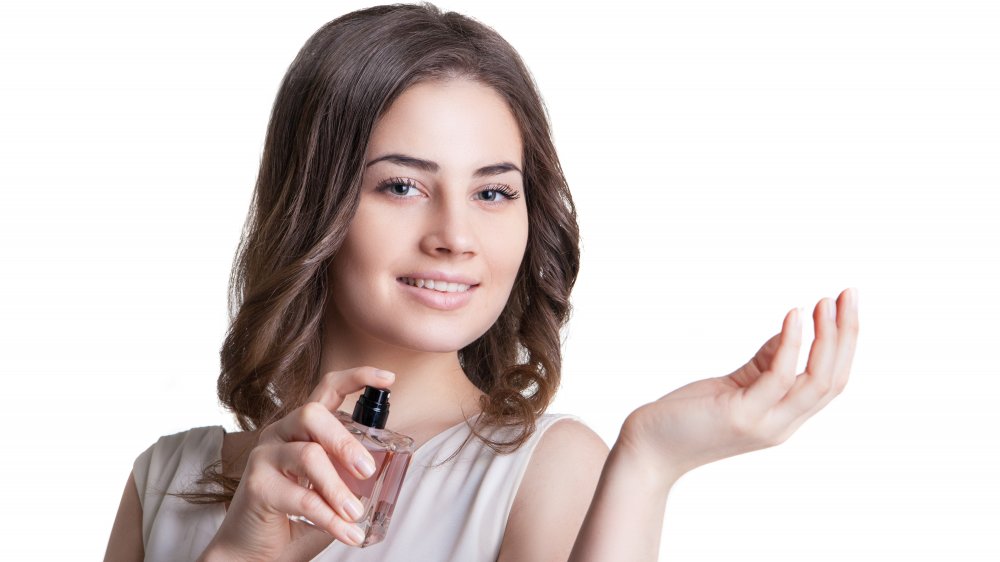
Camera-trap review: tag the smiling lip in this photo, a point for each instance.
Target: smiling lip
(436, 299)
(440, 276)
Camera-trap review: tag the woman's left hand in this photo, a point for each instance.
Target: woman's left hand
(757, 406)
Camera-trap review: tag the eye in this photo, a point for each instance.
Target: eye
(496, 193)
(399, 187)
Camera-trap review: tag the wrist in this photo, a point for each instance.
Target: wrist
(644, 461)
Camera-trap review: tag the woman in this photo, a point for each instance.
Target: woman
(412, 230)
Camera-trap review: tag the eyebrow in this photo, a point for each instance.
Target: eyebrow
(428, 166)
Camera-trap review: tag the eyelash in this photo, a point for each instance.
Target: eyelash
(505, 190)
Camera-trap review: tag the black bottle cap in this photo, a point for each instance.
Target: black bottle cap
(372, 408)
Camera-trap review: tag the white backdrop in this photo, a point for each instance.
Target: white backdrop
(730, 160)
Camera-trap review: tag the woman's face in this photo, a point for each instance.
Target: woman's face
(432, 253)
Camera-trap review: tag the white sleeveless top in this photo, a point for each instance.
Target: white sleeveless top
(455, 511)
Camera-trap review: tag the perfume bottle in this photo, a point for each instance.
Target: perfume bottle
(391, 451)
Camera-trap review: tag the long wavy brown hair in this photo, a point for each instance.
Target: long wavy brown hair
(342, 80)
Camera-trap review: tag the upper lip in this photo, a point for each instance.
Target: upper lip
(441, 276)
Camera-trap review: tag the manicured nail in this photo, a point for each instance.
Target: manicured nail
(831, 309)
(384, 374)
(365, 465)
(853, 300)
(354, 508)
(355, 534)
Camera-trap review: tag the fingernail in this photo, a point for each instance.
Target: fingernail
(354, 508)
(356, 535)
(384, 374)
(365, 465)
(854, 299)
(831, 309)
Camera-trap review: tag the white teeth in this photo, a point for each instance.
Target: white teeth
(440, 286)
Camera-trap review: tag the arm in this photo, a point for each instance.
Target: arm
(125, 542)
(550, 511)
(625, 519)
(757, 406)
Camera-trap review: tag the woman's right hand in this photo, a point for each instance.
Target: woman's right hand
(303, 444)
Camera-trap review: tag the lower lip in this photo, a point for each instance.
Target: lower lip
(437, 299)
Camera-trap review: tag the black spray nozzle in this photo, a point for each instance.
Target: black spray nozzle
(372, 408)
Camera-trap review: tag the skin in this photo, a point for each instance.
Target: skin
(443, 221)
(609, 504)
(757, 406)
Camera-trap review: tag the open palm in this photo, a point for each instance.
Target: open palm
(756, 406)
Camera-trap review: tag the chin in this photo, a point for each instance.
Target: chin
(433, 337)
(435, 343)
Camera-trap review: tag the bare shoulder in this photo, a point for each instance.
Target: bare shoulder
(567, 444)
(558, 485)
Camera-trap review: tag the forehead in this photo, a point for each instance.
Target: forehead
(457, 122)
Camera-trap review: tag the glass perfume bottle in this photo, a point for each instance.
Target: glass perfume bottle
(391, 451)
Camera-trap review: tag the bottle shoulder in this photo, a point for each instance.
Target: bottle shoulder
(382, 438)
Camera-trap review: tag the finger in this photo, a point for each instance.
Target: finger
(277, 487)
(814, 385)
(775, 382)
(847, 332)
(847, 329)
(748, 373)
(314, 423)
(334, 386)
(309, 461)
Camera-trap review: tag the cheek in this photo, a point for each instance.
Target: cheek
(507, 247)
(353, 265)
(370, 241)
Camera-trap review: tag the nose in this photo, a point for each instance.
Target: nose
(450, 230)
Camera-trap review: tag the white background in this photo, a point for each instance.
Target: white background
(730, 161)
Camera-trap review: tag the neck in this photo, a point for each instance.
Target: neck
(430, 389)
